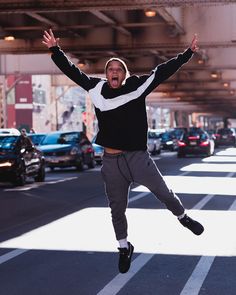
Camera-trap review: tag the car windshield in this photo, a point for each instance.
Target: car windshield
(37, 138)
(7, 142)
(61, 138)
(152, 134)
(198, 133)
(166, 136)
(225, 131)
(177, 133)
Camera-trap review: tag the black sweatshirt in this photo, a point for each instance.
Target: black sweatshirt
(121, 113)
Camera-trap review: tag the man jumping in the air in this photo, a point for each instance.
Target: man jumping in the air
(119, 102)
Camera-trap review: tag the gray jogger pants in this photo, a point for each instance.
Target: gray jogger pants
(119, 171)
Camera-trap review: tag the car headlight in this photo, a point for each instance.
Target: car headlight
(169, 142)
(74, 151)
(6, 164)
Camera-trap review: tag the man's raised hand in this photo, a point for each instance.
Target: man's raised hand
(49, 40)
(194, 45)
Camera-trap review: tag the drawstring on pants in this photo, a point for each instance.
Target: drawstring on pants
(127, 165)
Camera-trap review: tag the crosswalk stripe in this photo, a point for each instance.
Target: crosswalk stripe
(198, 276)
(201, 270)
(114, 286)
(12, 254)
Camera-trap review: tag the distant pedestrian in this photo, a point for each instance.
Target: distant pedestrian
(119, 101)
(23, 142)
(32, 131)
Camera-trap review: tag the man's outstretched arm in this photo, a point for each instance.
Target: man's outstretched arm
(64, 64)
(168, 68)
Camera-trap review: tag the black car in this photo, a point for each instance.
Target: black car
(195, 141)
(177, 132)
(225, 136)
(169, 141)
(67, 149)
(16, 165)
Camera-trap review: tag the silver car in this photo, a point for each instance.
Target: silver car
(154, 142)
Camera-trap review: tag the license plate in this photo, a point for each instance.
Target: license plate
(52, 160)
(193, 143)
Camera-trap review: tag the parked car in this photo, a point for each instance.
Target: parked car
(212, 133)
(98, 152)
(36, 138)
(195, 141)
(16, 166)
(225, 136)
(169, 141)
(154, 142)
(12, 131)
(177, 132)
(67, 149)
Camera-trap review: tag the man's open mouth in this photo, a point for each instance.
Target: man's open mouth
(115, 81)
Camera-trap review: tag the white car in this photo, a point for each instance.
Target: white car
(154, 142)
(11, 131)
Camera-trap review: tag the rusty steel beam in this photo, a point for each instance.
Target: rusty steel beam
(13, 6)
(121, 49)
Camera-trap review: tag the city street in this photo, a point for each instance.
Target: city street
(56, 237)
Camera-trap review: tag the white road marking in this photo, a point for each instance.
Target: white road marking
(67, 234)
(38, 184)
(117, 282)
(200, 272)
(203, 201)
(196, 279)
(198, 276)
(114, 286)
(192, 185)
(138, 196)
(12, 254)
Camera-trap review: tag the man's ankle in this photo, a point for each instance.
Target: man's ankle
(123, 243)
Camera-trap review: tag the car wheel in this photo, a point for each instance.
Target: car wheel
(208, 153)
(21, 176)
(172, 149)
(180, 155)
(80, 166)
(91, 165)
(41, 174)
(158, 152)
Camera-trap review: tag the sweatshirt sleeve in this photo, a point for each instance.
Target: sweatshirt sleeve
(71, 70)
(168, 68)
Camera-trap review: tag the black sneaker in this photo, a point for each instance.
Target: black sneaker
(125, 258)
(191, 224)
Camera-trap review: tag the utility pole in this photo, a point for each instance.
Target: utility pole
(2, 109)
(3, 102)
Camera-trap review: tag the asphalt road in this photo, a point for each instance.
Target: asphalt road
(56, 237)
